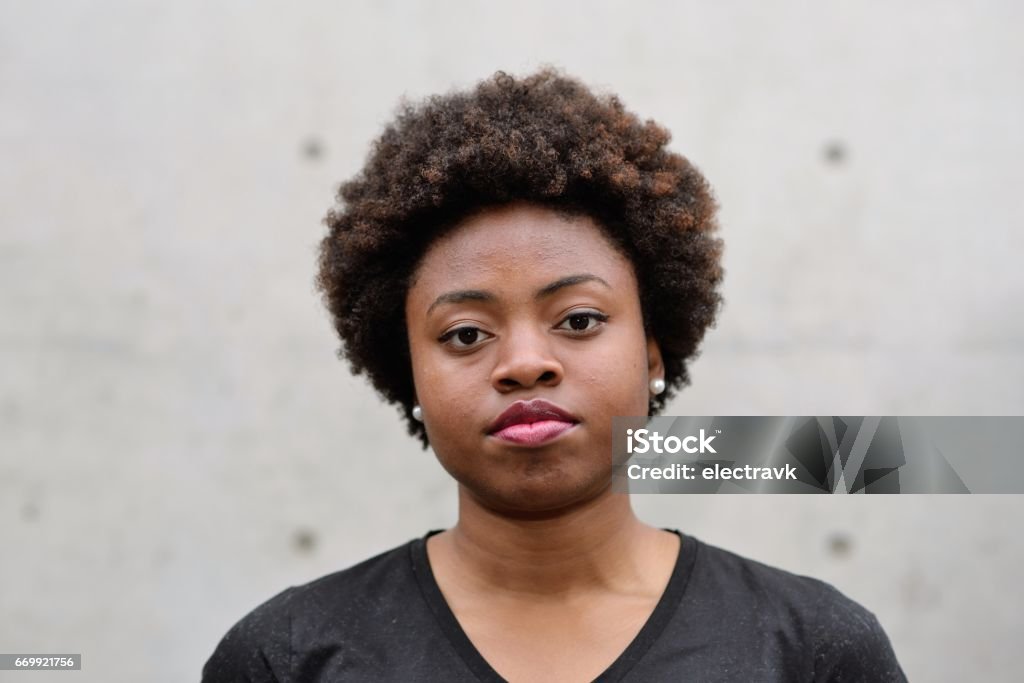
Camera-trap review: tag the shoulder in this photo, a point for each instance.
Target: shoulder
(845, 639)
(260, 645)
(731, 575)
(256, 647)
(371, 580)
(851, 643)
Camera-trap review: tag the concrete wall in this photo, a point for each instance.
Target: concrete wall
(178, 441)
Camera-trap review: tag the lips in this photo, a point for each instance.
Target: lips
(532, 423)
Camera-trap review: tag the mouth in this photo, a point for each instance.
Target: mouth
(532, 423)
(534, 433)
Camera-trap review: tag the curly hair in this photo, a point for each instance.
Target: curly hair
(544, 139)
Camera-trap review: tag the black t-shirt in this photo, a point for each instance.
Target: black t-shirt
(722, 617)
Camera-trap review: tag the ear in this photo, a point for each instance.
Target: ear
(655, 366)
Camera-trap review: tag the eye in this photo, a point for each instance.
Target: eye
(583, 321)
(464, 337)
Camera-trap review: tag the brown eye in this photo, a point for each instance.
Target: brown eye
(579, 322)
(585, 321)
(464, 337)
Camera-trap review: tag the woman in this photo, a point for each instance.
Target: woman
(513, 267)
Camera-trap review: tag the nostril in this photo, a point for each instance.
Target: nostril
(545, 377)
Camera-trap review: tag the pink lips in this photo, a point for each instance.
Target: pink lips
(535, 433)
(532, 423)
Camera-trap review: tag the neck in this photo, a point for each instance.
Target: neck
(595, 545)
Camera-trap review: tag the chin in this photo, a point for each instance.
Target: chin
(538, 493)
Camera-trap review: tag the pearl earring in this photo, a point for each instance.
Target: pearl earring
(417, 413)
(657, 386)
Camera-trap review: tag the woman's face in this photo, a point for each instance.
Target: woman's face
(515, 307)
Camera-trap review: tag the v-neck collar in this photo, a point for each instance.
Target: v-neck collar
(652, 628)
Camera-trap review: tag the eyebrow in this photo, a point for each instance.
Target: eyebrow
(464, 295)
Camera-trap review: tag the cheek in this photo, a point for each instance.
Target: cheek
(446, 394)
(616, 373)
(428, 371)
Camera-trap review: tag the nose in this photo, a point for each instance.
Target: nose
(526, 359)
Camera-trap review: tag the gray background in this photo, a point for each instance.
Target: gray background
(178, 441)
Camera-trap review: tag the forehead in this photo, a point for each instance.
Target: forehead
(521, 243)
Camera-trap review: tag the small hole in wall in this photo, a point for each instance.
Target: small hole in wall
(834, 153)
(839, 544)
(312, 149)
(304, 541)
